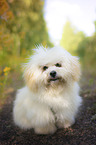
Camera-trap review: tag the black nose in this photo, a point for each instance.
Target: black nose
(53, 74)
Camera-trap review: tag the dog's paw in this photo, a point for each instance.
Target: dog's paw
(46, 130)
(60, 124)
(68, 123)
(65, 124)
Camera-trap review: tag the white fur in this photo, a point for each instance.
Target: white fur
(42, 104)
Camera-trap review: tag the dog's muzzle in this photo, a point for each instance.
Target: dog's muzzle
(53, 76)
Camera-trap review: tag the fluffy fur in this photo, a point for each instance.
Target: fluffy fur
(51, 95)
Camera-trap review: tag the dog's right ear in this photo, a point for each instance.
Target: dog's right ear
(30, 78)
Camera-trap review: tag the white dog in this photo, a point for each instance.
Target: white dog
(50, 98)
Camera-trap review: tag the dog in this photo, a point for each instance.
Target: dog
(50, 99)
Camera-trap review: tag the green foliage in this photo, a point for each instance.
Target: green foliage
(91, 81)
(82, 46)
(87, 51)
(78, 44)
(71, 37)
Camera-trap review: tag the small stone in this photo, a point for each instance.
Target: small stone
(93, 117)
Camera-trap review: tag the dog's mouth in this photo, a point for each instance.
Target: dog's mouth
(53, 79)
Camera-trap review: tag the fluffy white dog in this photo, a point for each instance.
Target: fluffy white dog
(50, 98)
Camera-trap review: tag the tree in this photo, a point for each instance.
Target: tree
(30, 22)
(87, 50)
(6, 40)
(71, 37)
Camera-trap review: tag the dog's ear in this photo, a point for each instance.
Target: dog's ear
(30, 78)
(75, 66)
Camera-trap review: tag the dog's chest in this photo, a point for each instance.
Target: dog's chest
(56, 103)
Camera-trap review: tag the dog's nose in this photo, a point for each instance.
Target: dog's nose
(53, 74)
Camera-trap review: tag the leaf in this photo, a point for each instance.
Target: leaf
(91, 81)
(3, 7)
(9, 14)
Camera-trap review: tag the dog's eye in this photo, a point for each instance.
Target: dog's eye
(45, 67)
(58, 65)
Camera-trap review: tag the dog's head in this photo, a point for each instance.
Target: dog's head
(51, 68)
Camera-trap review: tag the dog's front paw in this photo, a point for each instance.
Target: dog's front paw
(68, 123)
(60, 124)
(46, 130)
(65, 124)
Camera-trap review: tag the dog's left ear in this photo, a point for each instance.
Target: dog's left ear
(75, 66)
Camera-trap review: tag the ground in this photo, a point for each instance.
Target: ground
(83, 132)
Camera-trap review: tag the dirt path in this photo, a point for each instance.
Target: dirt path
(82, 133)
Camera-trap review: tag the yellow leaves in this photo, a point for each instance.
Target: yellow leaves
(5, 14)
(1, 48)
(6, 70)
(1, 84)
(6, 40)
(41, 3)
(1, 33)
(9, 15)
(4, 73)
(44, 43)
(3, 79)
(34, 16)
(22, 35)
(3, 6)
(5, 36)
(10, 1)
(27, 3)
(0, 72)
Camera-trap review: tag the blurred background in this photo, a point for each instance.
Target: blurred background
(24, 24)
